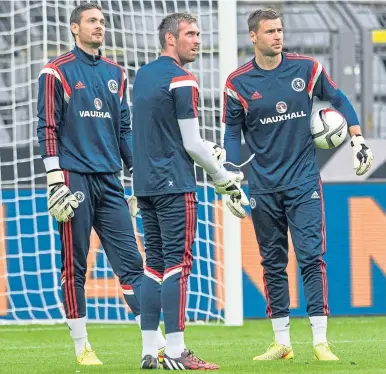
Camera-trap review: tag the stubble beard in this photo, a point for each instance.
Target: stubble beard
(87, 41)
(95, 44)
(272, 53)
(187, 60)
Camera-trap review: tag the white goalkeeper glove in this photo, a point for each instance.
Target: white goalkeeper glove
(237, 198)
(362, 155)
(132, 200)
(133, 205)
(231, 186)
(235, 205)
(61, 202)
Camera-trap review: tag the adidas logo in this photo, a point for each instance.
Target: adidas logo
(315, 195)
(79, 85)
(256, 96)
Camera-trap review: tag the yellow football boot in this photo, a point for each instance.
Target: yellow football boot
(276, 352)
(323, 352)
(88, 358)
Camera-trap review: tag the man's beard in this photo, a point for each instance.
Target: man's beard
(90, 43)
(188, 60)
(272, 54)
(95, 44)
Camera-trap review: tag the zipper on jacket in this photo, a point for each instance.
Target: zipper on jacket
(95, 73)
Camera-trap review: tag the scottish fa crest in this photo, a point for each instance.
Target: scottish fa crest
(298, 84)
(113, 86)
(79, 196)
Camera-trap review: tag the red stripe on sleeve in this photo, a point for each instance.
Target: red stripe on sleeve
(184, 78)
(333, 84)
(313, 73)
(65, 84)
(50, 116)
(122, 85)
(195, 101)
(224, 107)
(243, 102)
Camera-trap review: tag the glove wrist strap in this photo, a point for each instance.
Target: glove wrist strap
(221, 176)
(55, 177)
(357, 140)
(51, 163)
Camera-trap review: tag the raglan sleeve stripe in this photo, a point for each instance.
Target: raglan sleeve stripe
(315, 74)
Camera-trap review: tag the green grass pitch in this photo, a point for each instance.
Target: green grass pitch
(360, 343)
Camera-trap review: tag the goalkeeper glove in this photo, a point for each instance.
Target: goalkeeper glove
(61, 201)
(362, 155)
(132, 200)
(237, 198)
(231, 186)
(133, 205)
(235, 205)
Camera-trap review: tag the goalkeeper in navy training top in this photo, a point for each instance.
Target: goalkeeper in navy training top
(269, 99)
(166, 142)
(84, 132)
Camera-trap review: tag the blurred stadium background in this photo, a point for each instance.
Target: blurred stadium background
(348, 38)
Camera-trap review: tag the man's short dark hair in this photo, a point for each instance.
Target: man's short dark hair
(171, 24)
(260, 15)
(76, 14)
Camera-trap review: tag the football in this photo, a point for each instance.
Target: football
(328, 128)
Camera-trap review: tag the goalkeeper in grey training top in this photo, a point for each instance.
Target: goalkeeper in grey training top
(84, 133)
(166, 142)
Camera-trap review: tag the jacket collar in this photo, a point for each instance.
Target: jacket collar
(87, 58)
(272, 71)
